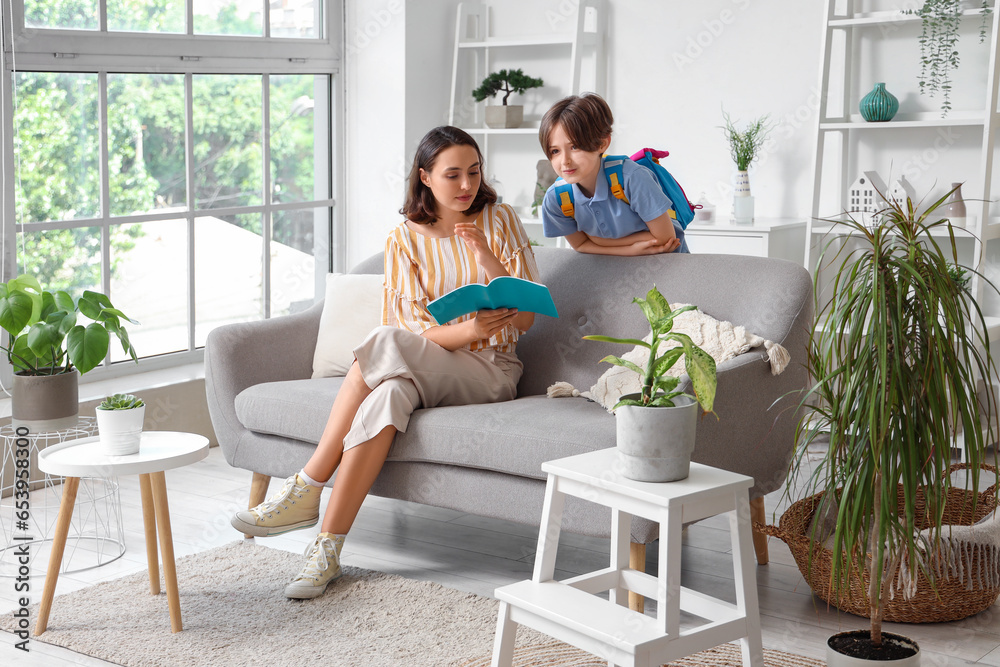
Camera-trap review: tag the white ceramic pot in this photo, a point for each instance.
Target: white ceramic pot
(836, 659)
(120, 430)
(743, 210)
(655, 444)
(503, 116)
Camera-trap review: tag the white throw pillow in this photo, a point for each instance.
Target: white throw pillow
(353, 307)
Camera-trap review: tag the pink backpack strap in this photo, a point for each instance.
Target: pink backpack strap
(652, 152)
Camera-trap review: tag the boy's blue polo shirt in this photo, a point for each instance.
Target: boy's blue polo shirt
(606, 216)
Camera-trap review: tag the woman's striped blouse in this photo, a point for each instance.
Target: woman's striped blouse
(419, 269)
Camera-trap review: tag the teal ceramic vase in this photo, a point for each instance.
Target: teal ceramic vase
(879, 105)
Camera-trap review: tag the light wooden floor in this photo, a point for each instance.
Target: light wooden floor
(476, 555)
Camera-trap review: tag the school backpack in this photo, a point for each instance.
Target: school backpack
(681, 209)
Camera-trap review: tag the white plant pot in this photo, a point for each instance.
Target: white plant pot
(120, 430)
(837, 659)
(743, 210)
(655, 444)
(504, 116)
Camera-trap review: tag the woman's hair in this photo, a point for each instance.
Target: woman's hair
(586, 120)
(420, 205)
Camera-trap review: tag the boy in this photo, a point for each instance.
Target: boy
(574, 134)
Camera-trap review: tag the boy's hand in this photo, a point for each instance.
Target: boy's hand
(654, 247)
(487, 323)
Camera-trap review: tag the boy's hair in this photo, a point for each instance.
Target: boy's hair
(420, 205)
(586, 119)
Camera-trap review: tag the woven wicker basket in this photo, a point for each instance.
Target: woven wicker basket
(949, 602)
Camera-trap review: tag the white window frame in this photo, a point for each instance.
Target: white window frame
(101, 52)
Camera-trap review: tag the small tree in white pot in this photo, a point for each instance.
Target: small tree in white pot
(119, 422)
(507, 82)
(656, 427)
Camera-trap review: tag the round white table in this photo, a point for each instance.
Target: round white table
(158, 451)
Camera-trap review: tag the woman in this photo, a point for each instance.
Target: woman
(454, 234)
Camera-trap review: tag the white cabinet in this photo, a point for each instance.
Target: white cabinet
(766, 237)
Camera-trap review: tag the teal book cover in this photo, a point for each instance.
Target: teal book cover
(502, 292)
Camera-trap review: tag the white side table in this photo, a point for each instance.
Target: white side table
(96, 536)
(158, 451)
(570, 611)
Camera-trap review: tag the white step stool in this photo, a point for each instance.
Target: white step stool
(570, 611)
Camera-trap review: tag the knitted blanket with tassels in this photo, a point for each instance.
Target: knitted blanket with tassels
(721, 340)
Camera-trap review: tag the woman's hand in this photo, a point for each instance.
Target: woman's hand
(474, 239)
(487, 323)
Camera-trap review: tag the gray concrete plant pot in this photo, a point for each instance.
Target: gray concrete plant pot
(504, 116)
(655, 444)
(45, 402)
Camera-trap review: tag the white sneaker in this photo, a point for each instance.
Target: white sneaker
(322, 566)
(294, 506)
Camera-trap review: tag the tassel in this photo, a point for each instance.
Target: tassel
(561, 390)
(778, 356)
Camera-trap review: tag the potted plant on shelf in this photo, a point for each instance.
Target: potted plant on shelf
(49, 347)
(940, 21)
(508, 82)
(744, 147)
(895, 357)
(119, 424)
(656, 427)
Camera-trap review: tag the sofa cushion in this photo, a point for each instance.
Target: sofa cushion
(296, 409)
(351, 309)
(514, 437)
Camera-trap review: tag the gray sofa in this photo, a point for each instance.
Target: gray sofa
(486, 459)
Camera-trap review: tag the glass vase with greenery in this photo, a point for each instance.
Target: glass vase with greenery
(895, 356)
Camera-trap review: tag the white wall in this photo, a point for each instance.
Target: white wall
(672, 67)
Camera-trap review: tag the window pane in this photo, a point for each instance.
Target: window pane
(295, 18)
(64, 259)
(228, 271)
(228, 121)
(149, 284)
(146, 142)
(228, 17)
(299, 138)
(55, 150)
(146, 15)
(293, 262)
(66, 14)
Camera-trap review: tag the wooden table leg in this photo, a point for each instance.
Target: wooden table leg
(149, 524)
(70, 486)
(159, 485)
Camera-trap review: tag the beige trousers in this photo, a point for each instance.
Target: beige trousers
(406, 371)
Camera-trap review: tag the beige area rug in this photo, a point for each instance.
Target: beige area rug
(234, 613)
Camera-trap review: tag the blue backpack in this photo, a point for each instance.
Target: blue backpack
(681, 209)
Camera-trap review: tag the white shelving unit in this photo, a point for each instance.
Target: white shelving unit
(477, 50)
(847, 125)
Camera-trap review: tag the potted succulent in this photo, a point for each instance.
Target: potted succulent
(50, 345)
(119, 424)
(895, 357)
(656, 427)
(508, 82)
(744, 147)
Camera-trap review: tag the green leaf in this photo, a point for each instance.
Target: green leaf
(658, 304)
(627, 401)
(98, 298)
(665, 384)
(15, 311)
(87, 346)
(109, 313)
(700, 367)
(622, 362)
(667, 361)
(43, 336)
(89, 307)
(623, 341)
(21, 357)
(64, 301)
(662, 402)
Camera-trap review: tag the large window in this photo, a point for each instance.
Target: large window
(177, 154)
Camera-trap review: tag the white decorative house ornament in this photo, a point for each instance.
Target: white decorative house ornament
(861, 198)
(900, 191)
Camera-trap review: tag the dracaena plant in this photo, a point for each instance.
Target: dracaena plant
(47, 334)
(658, 388)
(896, 357)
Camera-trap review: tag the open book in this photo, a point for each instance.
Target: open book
(502, 292)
